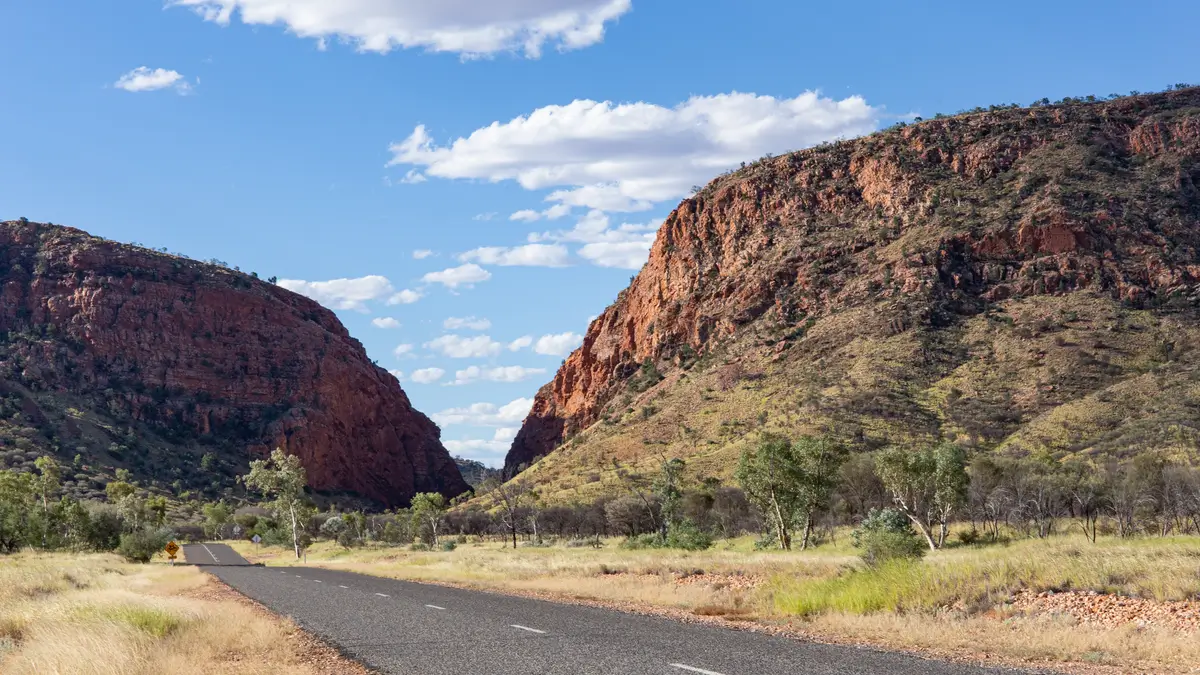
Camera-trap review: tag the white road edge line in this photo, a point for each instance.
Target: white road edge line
(694, 669)
(210, 553)
(318, 581)
(340, 586)
(383, 595)
(531, 630)
(434, 607)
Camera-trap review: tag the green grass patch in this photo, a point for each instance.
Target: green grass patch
(153, 621)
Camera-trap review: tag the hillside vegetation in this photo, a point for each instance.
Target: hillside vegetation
(1021, 282)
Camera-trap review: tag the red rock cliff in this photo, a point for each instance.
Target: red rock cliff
(938, 216)
(200, 351)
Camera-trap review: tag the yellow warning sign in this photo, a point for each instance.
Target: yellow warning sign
(171, 548)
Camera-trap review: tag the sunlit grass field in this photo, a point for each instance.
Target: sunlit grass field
(95, 614)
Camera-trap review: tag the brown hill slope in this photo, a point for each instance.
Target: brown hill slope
(130, 358)
(1022, 279)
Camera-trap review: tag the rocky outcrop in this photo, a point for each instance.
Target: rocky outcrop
(198, 352)
(925, 222)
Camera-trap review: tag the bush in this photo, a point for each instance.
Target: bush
(689, 537)
(419, 546)
(593, 542)
(449, 545)
(641, 541)
(886, 535)
(142, 545)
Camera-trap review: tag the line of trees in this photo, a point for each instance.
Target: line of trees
(793, 492)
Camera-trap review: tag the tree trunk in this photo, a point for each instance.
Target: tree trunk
(785, 541)
(924, 529)
(514, 534)
(295, 530)
(807, 533)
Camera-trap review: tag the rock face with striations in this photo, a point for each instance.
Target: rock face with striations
(805, 269)
(200, 357)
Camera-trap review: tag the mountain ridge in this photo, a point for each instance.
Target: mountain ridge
(167, 360)
(916, 230)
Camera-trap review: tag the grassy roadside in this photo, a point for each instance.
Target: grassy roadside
(957, 603)
(95, 614)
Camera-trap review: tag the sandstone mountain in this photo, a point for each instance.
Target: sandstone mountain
(116, 356)
(1019, 280)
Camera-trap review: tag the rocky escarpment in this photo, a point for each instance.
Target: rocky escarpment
(183, 371)
(908, 232)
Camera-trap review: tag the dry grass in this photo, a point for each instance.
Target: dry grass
(953, 604)
(94, 614)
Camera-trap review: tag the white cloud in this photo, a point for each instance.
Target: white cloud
(489, 450)
(421, 254)
(558, 345)
(427, 375)
(342, 293)
(498, 374)
(403, 350)
(626, 245)
(413, 177)
(520, 343)
(404, 297)
(630, 156)
(459, 347)
(144, 79)
(467, 322)
(385, 322)
(529, 255)
(398, 374)
(468, 27)
(485, 216)
(485, 414)
(463, 275)
(553, 213)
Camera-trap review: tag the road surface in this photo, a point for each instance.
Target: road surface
(417, 629)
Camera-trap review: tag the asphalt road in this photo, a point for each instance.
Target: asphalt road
(417, 629)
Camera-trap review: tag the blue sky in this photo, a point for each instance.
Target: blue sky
(489, 174)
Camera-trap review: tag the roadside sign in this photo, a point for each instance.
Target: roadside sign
(172, 549)
(256, 539)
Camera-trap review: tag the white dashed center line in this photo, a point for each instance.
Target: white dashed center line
(340, 586)
(434, 607)
(317, 580)
(383, 595)
(694, 669)
(210, 553)
(531, 630)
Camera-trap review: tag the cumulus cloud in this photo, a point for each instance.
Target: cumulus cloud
(485, 414)
(626, 245)
(421, 253)
(342, 293)
(497, 374)
(385, 322)
(553, 213)
(467, 322)
(488, 450)
(144, 79)
(520, 343)
(404, 297)
(459, 347)
(398, 374)
(630, 156)
(403, 350)
(463, 275)
(558, 345)
(413, 177)
(529, 255)
(484, 216)
(427, 375)
(471, 28)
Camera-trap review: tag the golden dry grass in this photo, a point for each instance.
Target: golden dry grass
(94, 614)
(952, 604)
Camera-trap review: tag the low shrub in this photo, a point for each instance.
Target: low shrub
(142, 545)
(886, 535)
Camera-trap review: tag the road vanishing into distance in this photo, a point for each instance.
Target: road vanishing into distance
(407, 628)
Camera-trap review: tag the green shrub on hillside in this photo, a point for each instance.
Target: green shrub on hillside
(886, 535)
